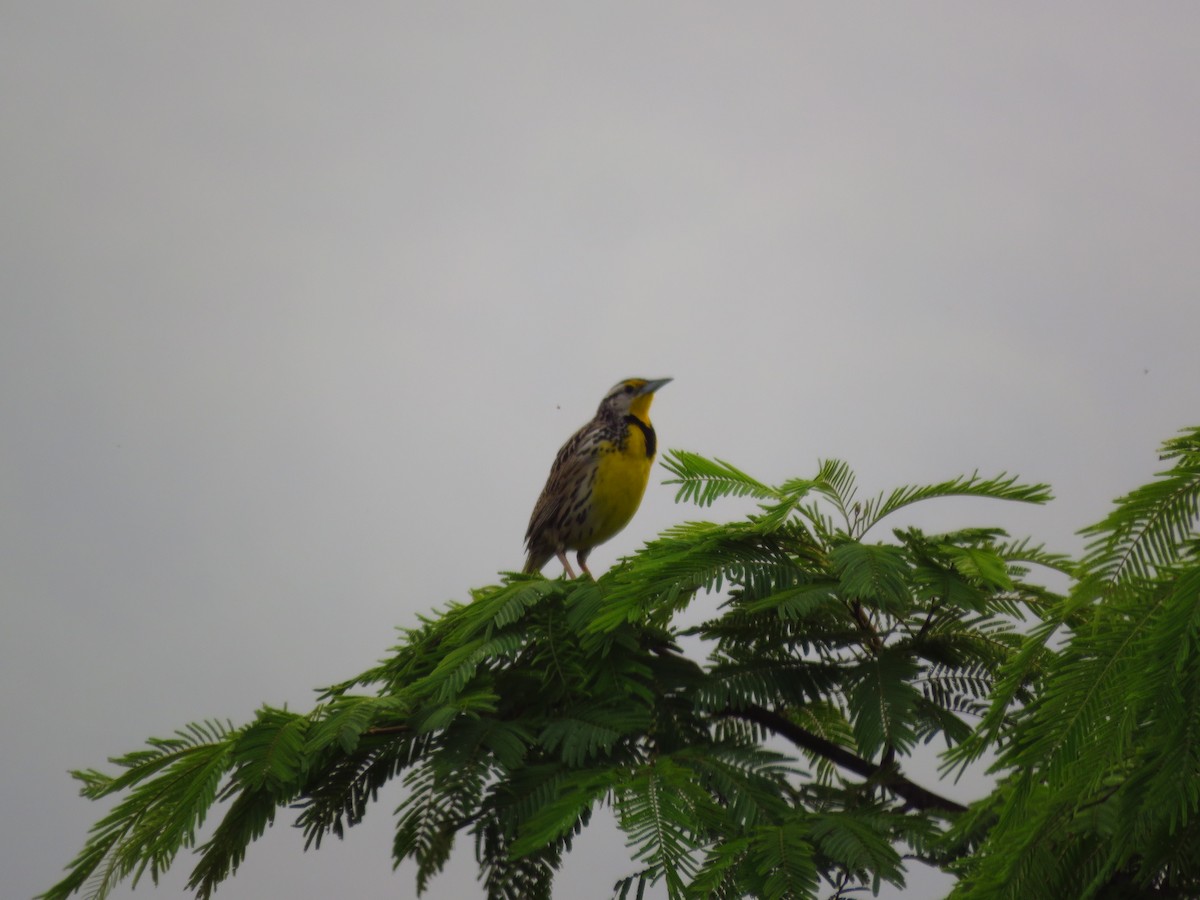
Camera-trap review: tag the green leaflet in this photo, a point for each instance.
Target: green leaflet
(703, 481)
(882, 699)
(270, 751)
(873, 573)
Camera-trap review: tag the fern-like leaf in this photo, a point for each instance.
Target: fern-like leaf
(171, 787)
(882, 699)
(1153, 526)
(1001, 487)
(662, 809)
(703, 481)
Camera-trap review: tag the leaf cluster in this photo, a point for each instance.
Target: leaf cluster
(1101, 789)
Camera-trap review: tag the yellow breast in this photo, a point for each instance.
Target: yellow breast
(621, 476)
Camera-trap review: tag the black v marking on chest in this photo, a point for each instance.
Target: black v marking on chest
(647, 432)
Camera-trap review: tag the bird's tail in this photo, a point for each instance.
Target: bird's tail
(536, 559)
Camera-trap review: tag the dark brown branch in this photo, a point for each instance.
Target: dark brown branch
(885, 776)
(865, 626)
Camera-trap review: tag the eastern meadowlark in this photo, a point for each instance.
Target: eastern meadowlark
(597, 480)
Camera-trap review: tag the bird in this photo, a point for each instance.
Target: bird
(597, 479)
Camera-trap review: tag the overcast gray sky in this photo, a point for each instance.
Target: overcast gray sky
(298, 301)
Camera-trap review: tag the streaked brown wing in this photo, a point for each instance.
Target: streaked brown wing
(571, 465)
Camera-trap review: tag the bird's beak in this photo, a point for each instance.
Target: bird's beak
(651, 386)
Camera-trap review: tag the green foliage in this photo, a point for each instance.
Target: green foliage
(511, 718)
(702, 481)
(168, 790)
(1153, 527)
(1101, 788)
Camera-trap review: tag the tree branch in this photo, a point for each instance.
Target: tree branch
(888, 777)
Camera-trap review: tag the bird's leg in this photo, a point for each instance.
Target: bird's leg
(562, 558)
(582, 557)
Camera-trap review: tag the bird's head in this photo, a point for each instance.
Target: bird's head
(631, 396)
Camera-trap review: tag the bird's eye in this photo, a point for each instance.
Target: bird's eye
(629, 388)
